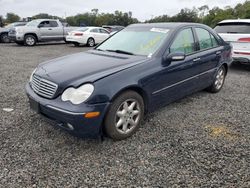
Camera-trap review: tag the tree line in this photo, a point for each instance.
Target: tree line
(202, 14)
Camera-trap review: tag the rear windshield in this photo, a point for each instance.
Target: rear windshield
(241, 28)
(82, 29)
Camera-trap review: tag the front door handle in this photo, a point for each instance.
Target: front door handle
(49, 29)
(196, 59)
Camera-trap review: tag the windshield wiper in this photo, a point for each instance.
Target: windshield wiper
(98, 49)
(121, 52)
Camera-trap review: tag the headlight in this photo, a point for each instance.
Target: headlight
(79, 95)
(32, 74)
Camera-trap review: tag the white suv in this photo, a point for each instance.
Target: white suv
(237, 32)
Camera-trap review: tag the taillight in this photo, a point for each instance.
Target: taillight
(244, 40)
(78, 34)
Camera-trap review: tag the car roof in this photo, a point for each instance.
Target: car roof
(46, 19)
(168, 25)
(235, 21)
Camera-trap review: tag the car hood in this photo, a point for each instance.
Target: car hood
(85, 67)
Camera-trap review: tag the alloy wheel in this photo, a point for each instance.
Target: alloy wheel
(30, 41)
(128, 116)
(220, 77)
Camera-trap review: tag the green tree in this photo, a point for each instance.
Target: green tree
(1, 21)
(11, 17)
(45, 16)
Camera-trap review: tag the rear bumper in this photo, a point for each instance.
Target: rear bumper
(79, 125)
(80, 40)
(243, 57)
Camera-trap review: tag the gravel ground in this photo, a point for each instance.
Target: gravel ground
(200, 141)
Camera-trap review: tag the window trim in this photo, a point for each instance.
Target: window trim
(176, 35)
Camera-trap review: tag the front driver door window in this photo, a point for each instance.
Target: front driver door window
(184, 42)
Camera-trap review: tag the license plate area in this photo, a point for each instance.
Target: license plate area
(34, 105)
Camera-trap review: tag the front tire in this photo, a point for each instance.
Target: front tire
(5, 38)
(30, 40)
(124, 115)
(218, 80)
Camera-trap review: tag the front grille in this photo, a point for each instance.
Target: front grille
(43, 87)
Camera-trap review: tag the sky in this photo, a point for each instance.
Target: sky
(141, 9)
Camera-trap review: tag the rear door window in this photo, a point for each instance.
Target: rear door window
(94, 31)
(103, 31)
(53, 24)
(214, 41)
(240, 28)
(204, 37)
(184, 42)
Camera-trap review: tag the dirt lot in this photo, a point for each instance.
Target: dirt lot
(200, 141)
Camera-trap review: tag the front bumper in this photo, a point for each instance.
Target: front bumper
(61, 112)
(16, 37)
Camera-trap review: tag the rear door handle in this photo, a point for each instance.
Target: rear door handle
(196, 59)
(218, 52)
(49, 29)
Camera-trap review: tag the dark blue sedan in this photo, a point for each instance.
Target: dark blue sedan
(143, 67)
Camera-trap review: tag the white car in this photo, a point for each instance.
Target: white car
(237, 32)
(88, 36)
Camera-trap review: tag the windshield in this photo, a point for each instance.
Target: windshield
(33, 23)
(138, 41)
(82, 29)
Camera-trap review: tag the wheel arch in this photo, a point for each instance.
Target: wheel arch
(226, 67)
(33, 34)
(136, 89)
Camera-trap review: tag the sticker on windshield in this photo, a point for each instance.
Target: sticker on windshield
(160, 30)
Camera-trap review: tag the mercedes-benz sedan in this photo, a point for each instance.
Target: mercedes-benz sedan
(145, 66)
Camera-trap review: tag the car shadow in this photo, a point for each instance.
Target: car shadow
(38, 44)
(240, 66)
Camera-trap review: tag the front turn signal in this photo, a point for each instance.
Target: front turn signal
(91, 114)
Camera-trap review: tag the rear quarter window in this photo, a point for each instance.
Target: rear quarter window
(241, 28)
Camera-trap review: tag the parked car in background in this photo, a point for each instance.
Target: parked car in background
(40, 30)
(143, 67)
(113, 28)
(5, 30)
(237, 32)
(88, 36)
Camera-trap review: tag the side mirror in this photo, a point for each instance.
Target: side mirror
(175, 56)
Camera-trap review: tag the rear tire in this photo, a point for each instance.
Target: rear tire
(30, 40)
(4, 38)
(91, 42)
(218, 80)
(124, 115)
